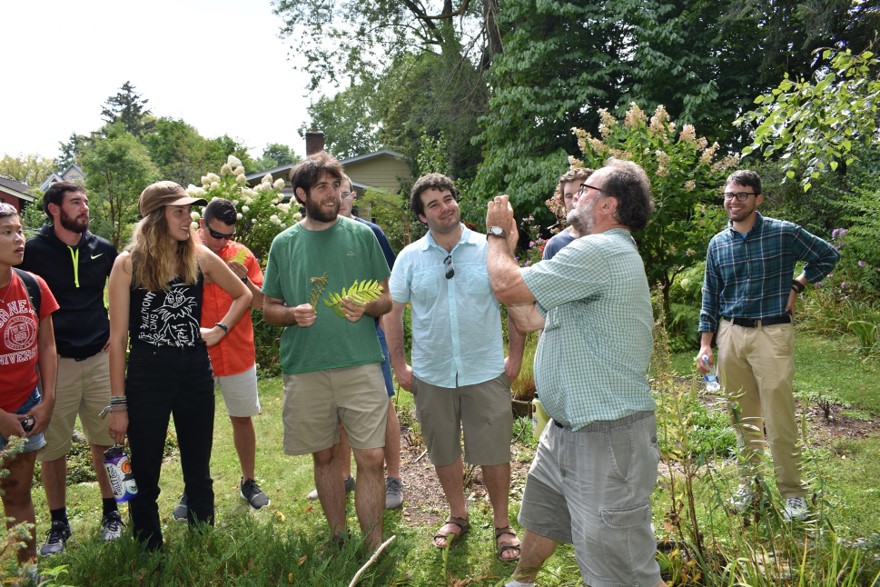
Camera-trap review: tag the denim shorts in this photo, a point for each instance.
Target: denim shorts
(592, 488)
(37, 441)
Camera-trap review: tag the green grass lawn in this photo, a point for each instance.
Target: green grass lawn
(283, 544)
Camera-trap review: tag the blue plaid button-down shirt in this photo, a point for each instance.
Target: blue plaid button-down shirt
(750, 276)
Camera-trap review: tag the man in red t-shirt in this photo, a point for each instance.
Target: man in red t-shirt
(234, 358)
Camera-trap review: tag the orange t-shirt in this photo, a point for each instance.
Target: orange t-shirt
(235, 353)
(19, 327)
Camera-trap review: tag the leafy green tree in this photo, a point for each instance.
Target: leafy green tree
(349, 120)
(815, 126)
(29, 169)
(686, 175)
(129, 108)
(276, 155)
(117, 169)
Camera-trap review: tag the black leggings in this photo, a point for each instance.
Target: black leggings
(161, 382)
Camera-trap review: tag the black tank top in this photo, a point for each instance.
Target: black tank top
(166, 318)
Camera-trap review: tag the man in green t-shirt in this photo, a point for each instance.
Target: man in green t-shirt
(331, 363)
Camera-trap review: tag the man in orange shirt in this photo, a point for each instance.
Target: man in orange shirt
(234, 358)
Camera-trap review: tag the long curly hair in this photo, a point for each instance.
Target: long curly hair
(157, 257)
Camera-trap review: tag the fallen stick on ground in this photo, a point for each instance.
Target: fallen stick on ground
(357, 576)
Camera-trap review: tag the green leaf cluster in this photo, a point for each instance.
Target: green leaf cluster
(360, 292)
(318, 285)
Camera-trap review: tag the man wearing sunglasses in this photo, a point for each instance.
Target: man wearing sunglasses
(234, 358)
(749, 294)
(459, 375)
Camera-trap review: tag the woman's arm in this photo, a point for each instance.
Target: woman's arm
(120, 301)
(47, 363)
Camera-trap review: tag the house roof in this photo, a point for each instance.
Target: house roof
(17, 189)
(63, 176)
(285, 169)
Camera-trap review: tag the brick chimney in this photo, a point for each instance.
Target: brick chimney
(314, 142)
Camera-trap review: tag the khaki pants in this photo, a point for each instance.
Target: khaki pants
(756, 366)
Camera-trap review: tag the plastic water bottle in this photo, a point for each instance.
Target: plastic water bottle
(711, 378)
(119, 473)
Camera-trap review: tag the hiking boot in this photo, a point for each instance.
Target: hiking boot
(393, 493)
(57, 536)
(111, 526)
(252, 494)
(796, 508)
(349, 487)
(742, 500)
(180, 510)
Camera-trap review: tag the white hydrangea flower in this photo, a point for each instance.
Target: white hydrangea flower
(267, 178)
(214, 185)
(225, 169)
(240, 179)
(274, 219)
(239, 215)
(194, 226)
(195, 191)
(284, 207)
(205, 180)
(213, 177)
(279, 184)
(253, 220)
(195, 215)
(245, 208)
(233, 161)
(238, 170)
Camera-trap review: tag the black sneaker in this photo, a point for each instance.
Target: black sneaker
(111, 526)
(252, 493)
(57, 536)
(180, 509)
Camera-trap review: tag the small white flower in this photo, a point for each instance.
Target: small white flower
(245, 209)
(240, 179)
(253, 220)
(283, 208)
(225, 169)
(233, 161)
(194, 226)
(274, 219)
(239, 215)
(214, 185)
(213, 177)
(195, 216)
(267, 178)
(279, 184)
(238, 170)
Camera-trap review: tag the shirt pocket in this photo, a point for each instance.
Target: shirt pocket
(426, 284)
(477, 281)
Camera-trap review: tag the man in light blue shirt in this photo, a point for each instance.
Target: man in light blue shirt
(459, 375)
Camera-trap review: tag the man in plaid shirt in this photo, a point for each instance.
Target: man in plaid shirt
(748, 303)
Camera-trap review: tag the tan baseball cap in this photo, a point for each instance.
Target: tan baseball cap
(165, 193)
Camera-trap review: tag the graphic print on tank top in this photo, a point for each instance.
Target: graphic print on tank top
(170, 318)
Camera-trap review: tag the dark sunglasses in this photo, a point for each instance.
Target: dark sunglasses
(220, 235)
(449, 267)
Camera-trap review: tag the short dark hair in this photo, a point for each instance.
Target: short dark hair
(432, 181)
(746, 177)
(306, 174)
(55, 194)
(222, 210)
(629, 184)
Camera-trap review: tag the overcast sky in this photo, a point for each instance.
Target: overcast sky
(217, 64)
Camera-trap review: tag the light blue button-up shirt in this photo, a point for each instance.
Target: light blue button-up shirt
(456, 323)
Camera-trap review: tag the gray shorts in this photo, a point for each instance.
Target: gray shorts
(240, 393)
(482, 411)
(592, 489)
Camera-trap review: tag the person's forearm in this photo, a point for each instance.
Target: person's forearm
(379, 307)
(256, 295)
(516, 339)
(393, 326)
(277, 314)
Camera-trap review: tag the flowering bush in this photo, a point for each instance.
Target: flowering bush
(262, 211)
(687, 176)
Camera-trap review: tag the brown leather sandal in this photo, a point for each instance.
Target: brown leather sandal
(500, 549)
(452, 538)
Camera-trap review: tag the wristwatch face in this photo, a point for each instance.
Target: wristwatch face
(497, 231)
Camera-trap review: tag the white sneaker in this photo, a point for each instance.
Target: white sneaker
(743, 498)
(796, 508)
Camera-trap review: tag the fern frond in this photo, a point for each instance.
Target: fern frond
(360, 292)
(318, 285)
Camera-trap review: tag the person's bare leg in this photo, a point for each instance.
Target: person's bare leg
(369, 500)
(331, 491)
(535, 550)
(97, 452)
(54, 474)
(343, 454)
(451, 479)
(497, 480)
(392, 443)
(17, 502)
(245, 439)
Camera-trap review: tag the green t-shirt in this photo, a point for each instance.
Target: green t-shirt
(346, 252)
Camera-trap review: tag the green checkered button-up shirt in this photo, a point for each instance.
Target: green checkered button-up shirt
(592, 360)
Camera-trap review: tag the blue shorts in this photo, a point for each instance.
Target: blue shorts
(37, 441)
(386, 364)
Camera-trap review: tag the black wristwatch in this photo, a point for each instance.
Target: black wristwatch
(244, 279)
(497, 231)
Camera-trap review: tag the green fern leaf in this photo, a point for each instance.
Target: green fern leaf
(360, 292)
(318, 285)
